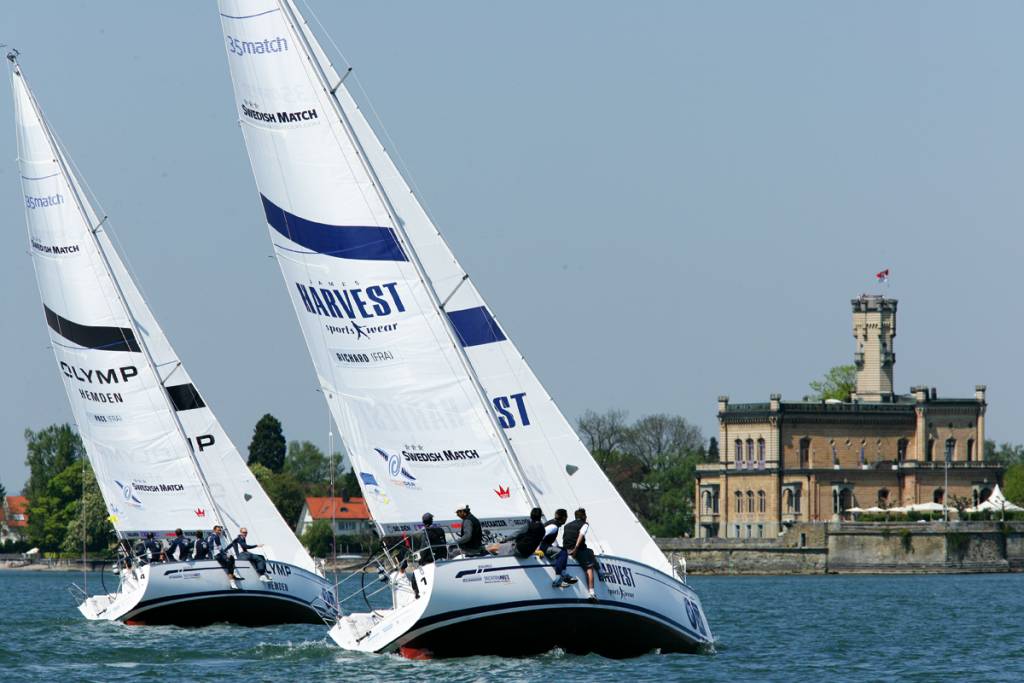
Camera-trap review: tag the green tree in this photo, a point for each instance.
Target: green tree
(1013, 483)
(55, 515)
(318, 538)
(284, 491)
(268, 445)
(713, 454)
(48, 453)
(671, 510)
(1006, 454)
(311, 468)
(94, 524)
(838, 383)
(306, 463)
(3, 493)
(349, 486)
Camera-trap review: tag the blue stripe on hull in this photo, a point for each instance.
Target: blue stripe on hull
(476, 326)
(360, 242)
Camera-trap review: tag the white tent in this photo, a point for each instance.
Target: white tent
(997, 502)
(926, 507)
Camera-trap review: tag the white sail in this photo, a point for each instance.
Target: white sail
(559, 469)
(410, 414)
(100, 329)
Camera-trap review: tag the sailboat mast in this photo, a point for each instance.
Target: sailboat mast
(339, 111)
(80, 206)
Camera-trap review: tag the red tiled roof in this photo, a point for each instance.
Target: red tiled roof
(353, 508)
(18, 505)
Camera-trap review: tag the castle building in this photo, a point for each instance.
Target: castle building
(782, 462)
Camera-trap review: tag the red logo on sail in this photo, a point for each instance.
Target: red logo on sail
(200, 512)
(502, 491)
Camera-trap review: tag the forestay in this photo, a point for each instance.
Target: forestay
(121, 401)
(413, 421)
(558, 466)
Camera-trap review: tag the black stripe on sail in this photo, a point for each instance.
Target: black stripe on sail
(185, 397)
(92, 337)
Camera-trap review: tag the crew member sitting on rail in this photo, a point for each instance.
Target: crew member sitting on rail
(149, 549)
(259, 563)
(180, 545)
(218, 547)
(558, 554)
(470, 537)
(574, 538)
(200, 551)
(435, 548)
(526, 540)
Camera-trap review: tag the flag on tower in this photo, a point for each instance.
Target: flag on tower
(882, 276)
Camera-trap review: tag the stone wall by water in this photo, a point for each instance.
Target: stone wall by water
(851, 548)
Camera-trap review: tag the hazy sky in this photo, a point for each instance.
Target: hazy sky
(661, 202)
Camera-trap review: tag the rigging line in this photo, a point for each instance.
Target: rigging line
(402, 167)
(83, 212)
(441, 340)
(400, 232)
(407, 177)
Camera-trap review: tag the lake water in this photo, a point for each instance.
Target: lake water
(783, 628)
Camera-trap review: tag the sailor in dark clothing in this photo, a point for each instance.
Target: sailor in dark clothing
(574, 539)
(179, 545)
(470, 537)
(217, 546)
(435, 546)
(200, 551)
(259, 563)
(559, 554)
(149, 550)
(526, 539)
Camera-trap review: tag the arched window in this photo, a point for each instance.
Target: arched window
(762, 505)
(805, 452)
(707, 502)
(739, 502)
(739, 454)
(938, 495)
(845, 500)
(796, 501)
(760, 453)
(750, 453)
(950, 452)
(901, 449)
(714, 502)
(970, 450)
(750, 501)
(929, 453)
(883, 498)
(787, 499)
(983, 495)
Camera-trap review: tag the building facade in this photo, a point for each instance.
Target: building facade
(13, 518)
(782, 462)
(350, 517)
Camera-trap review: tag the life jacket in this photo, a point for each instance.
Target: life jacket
(571, 534)
(437, 547)
(549, 538)
(475, 540)
(528, 541)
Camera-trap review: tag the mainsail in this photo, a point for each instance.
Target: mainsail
(311, 146)
(160, 456)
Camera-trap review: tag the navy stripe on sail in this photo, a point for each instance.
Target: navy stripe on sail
(185, 397)
(366, 243)
(475, 326)
(92, 337)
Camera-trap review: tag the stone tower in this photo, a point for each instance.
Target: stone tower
(874, 327)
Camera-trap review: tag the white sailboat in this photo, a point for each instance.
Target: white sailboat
(435, 404)
(161, 458)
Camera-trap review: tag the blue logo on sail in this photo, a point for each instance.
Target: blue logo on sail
(394, 463)
(128, 494)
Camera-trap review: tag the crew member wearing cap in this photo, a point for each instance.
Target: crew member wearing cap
(470, 537)
(436, 547)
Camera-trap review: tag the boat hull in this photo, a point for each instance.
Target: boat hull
(198, 593)
(507, 606)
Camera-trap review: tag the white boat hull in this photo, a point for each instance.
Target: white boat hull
(507, 606)
(197, 593)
